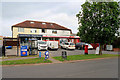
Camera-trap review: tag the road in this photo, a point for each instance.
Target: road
(101, 68)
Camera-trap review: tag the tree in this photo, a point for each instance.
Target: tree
(98, 22)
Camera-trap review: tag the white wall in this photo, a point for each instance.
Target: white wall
(59, 32)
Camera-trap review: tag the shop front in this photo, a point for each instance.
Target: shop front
(25, 38)
(29, 41)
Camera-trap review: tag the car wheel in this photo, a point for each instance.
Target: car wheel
(67, 48)
(79, 48)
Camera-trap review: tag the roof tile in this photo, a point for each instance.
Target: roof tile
(40, 25)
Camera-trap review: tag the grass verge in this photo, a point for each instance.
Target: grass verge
(83, 57)
(26, 61)
(9, 57)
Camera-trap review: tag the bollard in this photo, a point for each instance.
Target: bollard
(46, 55)
(64, 54)
(86, 49)
(39, 54)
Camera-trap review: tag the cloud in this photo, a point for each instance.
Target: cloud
(63, 13)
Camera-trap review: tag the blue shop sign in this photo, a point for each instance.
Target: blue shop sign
(23, 50)
(29, 35)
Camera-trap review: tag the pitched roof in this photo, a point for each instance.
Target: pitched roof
(40, 25)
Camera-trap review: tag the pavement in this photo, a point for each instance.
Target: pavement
(52, 54)
(100, 68)
(59, 52)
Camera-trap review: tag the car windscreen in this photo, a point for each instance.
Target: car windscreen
(41, 42)
(72, 44)
(66, 44)
(89, 45)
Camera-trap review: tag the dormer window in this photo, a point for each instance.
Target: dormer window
(43, 23)
(32, 22)
(51, 24)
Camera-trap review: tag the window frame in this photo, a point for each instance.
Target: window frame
(20, 29)
(54, 31)
(33, 31)
(42, 30)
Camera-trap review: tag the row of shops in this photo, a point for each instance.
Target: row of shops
(24, 38)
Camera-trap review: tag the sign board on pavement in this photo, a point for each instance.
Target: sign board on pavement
(97, 50)
(23, 50)
(109, 47)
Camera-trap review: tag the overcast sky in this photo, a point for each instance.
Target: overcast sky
(63, 13)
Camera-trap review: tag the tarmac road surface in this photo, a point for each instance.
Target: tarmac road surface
(101, 68)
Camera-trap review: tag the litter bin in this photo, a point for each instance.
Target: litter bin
(3, 50)
(64, 54)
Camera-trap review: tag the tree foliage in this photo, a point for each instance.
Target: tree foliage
(98, 22)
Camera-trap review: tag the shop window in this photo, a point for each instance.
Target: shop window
(43, 30)
(54, 31)
(56, 38)
(20, 29)
(50, 38)
(44, 38)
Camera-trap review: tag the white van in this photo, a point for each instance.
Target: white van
(52, 44)
(42, 45)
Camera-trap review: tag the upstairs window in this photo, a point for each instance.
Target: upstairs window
(54, 31)
(33, 31)
(43, 30)
(20, 29)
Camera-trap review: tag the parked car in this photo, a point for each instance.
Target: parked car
(52, 44)
(62, 42)
(68, 45)
(61, 45)
(42, 45)
(89, 46)
(81, 45)
(8, 47)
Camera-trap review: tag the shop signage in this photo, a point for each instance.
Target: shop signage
(23, 50)
(29, 35)
(97, 50)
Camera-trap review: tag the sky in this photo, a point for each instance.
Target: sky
(60, 12)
